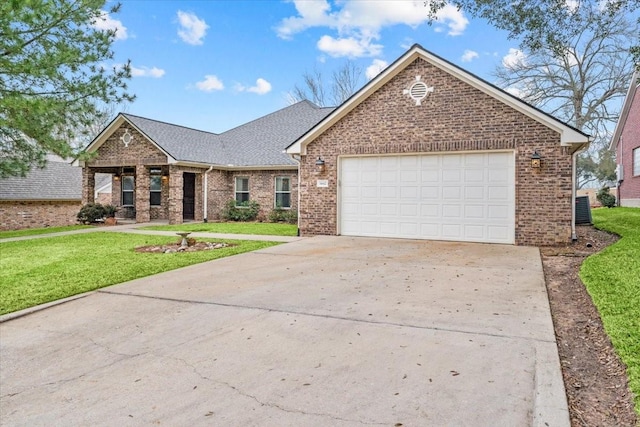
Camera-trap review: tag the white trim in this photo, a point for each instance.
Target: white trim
(568, 135)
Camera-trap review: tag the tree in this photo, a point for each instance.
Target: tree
(344, 83)
(546, 23)
(52, 78)
(581, 82)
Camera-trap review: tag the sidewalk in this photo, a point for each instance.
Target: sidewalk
(135, 229)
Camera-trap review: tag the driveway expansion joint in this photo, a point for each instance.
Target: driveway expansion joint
(327, 316)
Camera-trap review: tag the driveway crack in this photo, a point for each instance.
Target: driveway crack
(270, 404)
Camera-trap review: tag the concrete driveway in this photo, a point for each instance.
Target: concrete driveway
(319, 332)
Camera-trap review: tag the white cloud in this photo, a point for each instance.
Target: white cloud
(515, 91)
(210, 83)
(514, 58)
(261, 87)
(453, 19)
(106, 23)
(358, 23)
(154, 72)
(375, 68)
(192, 29)
(469, 55)
(348, 46)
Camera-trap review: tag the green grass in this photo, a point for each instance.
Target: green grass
(261, 228)
(33, 231)
(36, 271)
(612, 277)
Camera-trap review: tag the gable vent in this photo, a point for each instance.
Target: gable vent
(418, 90)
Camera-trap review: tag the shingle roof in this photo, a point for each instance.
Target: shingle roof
(260, 142)
(57, 181)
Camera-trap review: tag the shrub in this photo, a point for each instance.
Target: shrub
(245, 211)
(606, 198)
(91, 212)
(283, 215)
(109, 211)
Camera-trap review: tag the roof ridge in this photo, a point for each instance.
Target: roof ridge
(169, 124)
(304, 101)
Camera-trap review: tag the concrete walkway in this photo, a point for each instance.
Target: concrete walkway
(322, 331)
(135, 229)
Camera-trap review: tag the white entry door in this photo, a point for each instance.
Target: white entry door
(467, 197)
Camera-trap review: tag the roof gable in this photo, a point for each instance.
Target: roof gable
(568, 134)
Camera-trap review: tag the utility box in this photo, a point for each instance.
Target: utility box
(583, 210)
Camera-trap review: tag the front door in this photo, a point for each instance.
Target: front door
(188, 196)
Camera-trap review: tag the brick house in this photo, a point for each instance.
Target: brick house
(47, 197)
(626, 144)
(169, 172)
(427, 150)
(424, 150)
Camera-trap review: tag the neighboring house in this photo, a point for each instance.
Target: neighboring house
(165, 171)
(626, 144)
(44, 198)
(425, 150)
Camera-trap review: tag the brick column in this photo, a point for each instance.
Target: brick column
(175, 195)
(199, 202)
(88, 185)
(142, 194)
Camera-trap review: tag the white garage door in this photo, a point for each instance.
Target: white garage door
(463, 197)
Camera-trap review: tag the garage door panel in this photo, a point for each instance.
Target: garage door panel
(462, 196)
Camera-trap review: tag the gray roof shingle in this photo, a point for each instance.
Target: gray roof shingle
(260, 142)
(57, 181)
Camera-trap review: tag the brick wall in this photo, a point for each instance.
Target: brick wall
(221, 188)
(629, 188)
(455, 117)
(16, 215)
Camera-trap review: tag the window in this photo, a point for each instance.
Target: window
(242, 190)
(127, 190)
(155, 190)
(283, 192)
(636, 161)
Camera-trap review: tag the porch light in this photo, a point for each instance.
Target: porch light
(116, 177)
(320, 165)
(165, 178)
(536, 160)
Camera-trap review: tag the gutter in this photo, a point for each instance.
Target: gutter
(206, 192)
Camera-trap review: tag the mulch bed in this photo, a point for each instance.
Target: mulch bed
(595, 379)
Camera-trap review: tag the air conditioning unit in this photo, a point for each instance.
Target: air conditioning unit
(620, 172)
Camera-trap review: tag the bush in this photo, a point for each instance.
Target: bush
(109, 211)
(245, 211)
(289, 216)
(90, 213)
(606, 198)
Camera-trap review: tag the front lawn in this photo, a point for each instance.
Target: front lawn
(261, 228)
(612, 277)
(36, 271)
(34, 231)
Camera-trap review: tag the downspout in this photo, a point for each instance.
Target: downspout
(206, 193)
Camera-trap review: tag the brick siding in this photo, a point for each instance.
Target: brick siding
(16, 215)
(221, 188)
(455, 117)
(629, 188)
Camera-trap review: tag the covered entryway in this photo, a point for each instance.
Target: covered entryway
(462, 197)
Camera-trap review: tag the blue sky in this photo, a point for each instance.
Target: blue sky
(214, 65)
